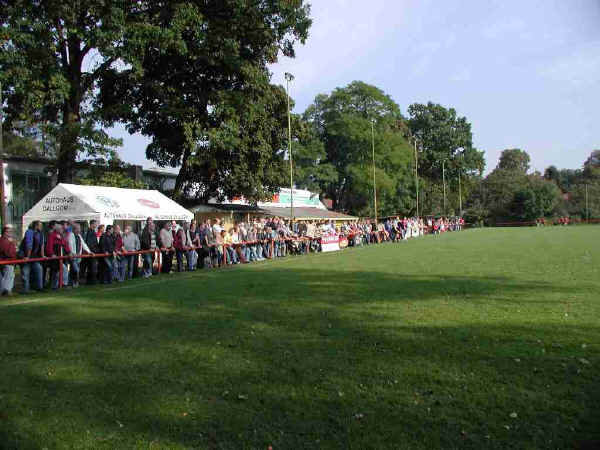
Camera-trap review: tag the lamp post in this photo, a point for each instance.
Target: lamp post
(289, 77)
(459, 194)
(444, 182)
(416, 175)
(374, 185)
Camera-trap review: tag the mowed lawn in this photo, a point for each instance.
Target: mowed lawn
(479, 339)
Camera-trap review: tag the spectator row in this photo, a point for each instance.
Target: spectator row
(63, 256)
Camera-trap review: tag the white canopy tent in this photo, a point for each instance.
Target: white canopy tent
(104, 204)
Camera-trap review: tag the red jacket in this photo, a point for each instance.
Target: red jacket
(178, 239)
(118, 242)
(55, 243)
(8, 249)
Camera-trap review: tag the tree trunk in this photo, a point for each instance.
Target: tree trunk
(182, 175)
(68, 145)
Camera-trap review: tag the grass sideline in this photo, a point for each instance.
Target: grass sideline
(479, 339)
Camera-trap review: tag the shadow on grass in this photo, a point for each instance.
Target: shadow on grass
(330, 360)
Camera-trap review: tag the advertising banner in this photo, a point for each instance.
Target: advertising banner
(330, 243)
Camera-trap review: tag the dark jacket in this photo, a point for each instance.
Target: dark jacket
(107, 243)
(146, 239)
(92, 241)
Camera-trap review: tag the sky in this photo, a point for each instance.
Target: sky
(525, 73)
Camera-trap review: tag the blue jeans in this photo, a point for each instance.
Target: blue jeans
(129, 262)
(55, 275)
(179, 256)
(7, 278)
(251, 253)
(232, 255)
(119, 267)
(148, 262)
(74, 275)
(32, 272)
(192, 259)
(109, 262)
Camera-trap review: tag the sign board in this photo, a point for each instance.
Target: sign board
(330, 243)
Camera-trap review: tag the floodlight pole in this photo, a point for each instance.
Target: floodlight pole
(416, 175)
(444, 182)
(289, 77)
(459, 194)
(374, 185)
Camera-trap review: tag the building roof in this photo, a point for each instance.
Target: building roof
(302, 213)
(307, 213)
(226, 207)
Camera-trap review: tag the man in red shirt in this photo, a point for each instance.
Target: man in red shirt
(8, 250)
(57, 245)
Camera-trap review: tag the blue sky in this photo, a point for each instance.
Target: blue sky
(525, 73)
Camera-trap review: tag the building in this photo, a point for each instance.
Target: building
(307, 206)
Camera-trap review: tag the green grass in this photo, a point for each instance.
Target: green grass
(480, 339)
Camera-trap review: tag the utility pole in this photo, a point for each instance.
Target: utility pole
(374, 185)
(289, 77)
(416, 175)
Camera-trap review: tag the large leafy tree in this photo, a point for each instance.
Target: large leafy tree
(311, 169)
(514, 159)
(497, 191)
(199, 87)
(343, 122)
(443, 136)
(538, 198)
(52, 55)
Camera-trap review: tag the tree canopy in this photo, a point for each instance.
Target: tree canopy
(166, 69)
(346, 121)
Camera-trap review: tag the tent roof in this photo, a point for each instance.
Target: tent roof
(106, 204)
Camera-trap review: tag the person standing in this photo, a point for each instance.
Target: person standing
(8, 250)
(92, 242)
(148, 242)
(166, 245)
(32, 246)
(78, 247)
(131, 243)
(107, 246)
(180, 243)
(119, 262)
(57, 245)
(194, 244)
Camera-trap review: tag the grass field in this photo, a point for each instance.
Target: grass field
(480, 339)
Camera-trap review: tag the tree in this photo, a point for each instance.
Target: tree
(343, 123)
(52, 56)
(497, 191)
(514, 159)
(196, 87)
(538, 198)
(311, 168)
(442, 135)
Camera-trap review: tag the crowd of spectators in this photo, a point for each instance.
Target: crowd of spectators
(123, 255)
